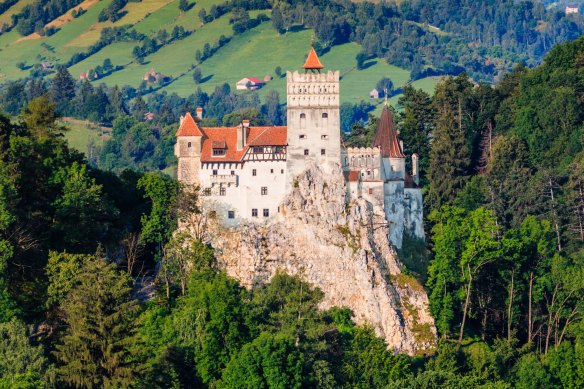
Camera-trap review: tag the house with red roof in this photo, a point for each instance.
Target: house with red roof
(249, 83)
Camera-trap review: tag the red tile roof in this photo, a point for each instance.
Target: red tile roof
(271, 136)
(255, 80)
(386, 136)
(312, 62)
(188, 127)
(226, 137)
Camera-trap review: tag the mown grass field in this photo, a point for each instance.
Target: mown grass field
(80, 132)
(255, 53)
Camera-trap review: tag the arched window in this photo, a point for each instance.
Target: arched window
(302, 120)
(325, 115)
(189, 145)
(302, 116)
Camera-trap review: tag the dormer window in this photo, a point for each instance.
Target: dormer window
(219, 148)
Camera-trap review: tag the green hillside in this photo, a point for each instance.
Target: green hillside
(257, 52)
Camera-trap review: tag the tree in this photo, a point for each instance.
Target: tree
(449, 157)
(416, 122)
(272, 110)
(82, 214)
(99, 347)
(278, 71)
(184, 5)
(361, 57)
(22, 365)
(62, 89)
(40, 118)
(385, 85)
(269, 361)
(197, 75)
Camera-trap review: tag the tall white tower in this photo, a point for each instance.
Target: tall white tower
(314, 126)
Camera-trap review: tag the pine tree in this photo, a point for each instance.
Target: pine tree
(63, 89)
(449, 159)
(98, 349)
(450, 154)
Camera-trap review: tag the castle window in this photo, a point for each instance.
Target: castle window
(324, 137)
(325, 115)
(222, 191)
(218, 152)
(207, 192)
(302, 116)
(254, 172)
(254, 212)
(278, 150)
(272, 171)
(282, 171)
(189, 145)
(258, 149)
(233, 172)
(370, 190)
(231, 214)
(305, 151)
(264, 190)
(302, 136)
(214, 172)
(302, 120)
(322, 151)
(266, 212)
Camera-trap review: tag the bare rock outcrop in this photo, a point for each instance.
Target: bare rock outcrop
(341, 248)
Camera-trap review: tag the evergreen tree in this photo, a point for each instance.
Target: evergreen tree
(99, 347)
(62, 89)
(416, 122)
(450, 156)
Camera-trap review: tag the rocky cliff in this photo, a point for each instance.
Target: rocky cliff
(341, 248)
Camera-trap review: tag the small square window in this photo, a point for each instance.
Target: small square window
(189, 145)
(322, 151)
(233, 172)
(272, 171)
(324, 137)
(305, 151)
(207, 192)
(264, 190)
(254, 212)
(231, 214)
(214, 172)
(222, 191)
(282, 171)
(266, 212)
(254, 172)
(302, 136)
(370, 190)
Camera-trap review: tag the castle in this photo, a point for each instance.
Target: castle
(245, 171)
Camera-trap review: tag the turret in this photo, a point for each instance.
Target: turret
(188, 150)
(392, 154)
(415, 168)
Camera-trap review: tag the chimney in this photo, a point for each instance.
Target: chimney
(415, 169)
(241, 136)
(200, 113)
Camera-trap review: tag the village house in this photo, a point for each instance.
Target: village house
(244, 172)
(249, 83)
(572, 9)
(376, 94)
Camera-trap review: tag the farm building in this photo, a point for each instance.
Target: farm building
(249, 83)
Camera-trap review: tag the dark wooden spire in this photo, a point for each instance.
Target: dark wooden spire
(386, 136)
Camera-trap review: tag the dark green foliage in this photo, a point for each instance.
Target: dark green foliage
(98, 348)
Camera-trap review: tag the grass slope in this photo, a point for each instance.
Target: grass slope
(255, 53)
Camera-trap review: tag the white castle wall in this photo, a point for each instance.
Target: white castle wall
(243, 190)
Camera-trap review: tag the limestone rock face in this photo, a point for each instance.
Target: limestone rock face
(341, 248)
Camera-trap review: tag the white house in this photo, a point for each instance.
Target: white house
(249, 83)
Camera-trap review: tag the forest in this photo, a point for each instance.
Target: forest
(98, 290)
